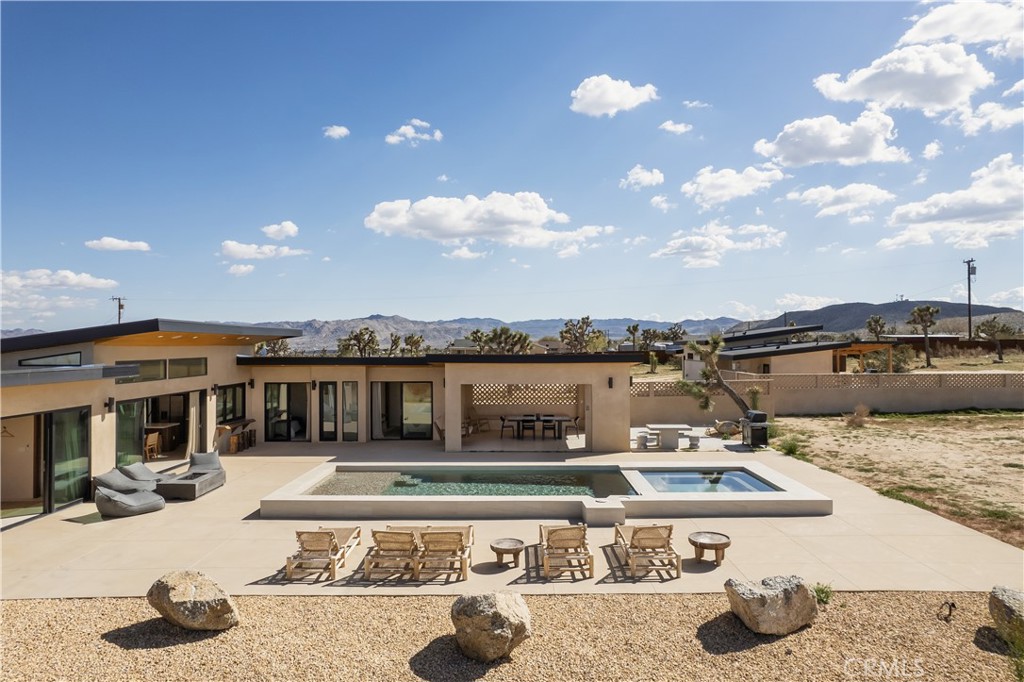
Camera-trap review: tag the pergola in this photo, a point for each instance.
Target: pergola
(860, 349)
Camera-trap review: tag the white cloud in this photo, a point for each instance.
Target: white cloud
(638, 177)
(695, 104)
(604, 96)
(853, 200)
(41, 278)
(635, 241)
(238, 251)
(705, 246)
(414, 132)
(710, 187)
(993, 115)
(661, 202)
(464, 253)
(1017, 88)
(969, 23)
(675, 128)
(922, 177)
(758, 212)
(968, 218)
(115, 244)
(795, 302)
(240, 270)
(1013, 298)
(23, 291)
(336, 132)
(932, 78)
(442, 178)
(932, 150)
(519, 220)
(281, 230)
(326, 259)
(826, 140)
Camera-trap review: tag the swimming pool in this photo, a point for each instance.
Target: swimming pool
(506, 481)
(600, 494)
(707, 481)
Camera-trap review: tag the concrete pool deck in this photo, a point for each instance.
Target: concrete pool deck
(868, 543)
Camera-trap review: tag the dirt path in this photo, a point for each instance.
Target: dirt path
(966, 467)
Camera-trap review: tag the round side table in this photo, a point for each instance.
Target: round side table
(708, 540)
(503, 546)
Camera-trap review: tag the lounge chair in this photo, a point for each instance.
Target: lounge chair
(479, 423)
(140, 472)
(445, 552)
(565, 548)
(393, 551)
(326, 548)
(651, 544)
(113, 503)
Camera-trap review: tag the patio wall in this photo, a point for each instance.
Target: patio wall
(798, 394)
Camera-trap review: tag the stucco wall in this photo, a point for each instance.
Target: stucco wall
(17, 459)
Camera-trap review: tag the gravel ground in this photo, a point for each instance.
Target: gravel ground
(858, 636)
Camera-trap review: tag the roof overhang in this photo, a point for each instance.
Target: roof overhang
(438, 359)
(781, 349)
(155, 332)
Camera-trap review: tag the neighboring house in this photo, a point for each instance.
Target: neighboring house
(79, 402)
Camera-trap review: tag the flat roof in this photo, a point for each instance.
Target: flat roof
(766, 332)
(444, 358)
(782, 349)
(157, 331)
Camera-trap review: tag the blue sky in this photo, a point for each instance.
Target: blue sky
(285, 161)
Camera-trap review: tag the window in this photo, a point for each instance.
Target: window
(180, 368)
(230, 403)
(62, 360)
(328, 410)
(149, 370)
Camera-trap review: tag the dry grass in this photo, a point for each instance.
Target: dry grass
(966, 467)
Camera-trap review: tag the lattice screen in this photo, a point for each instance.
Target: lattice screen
(973, 380)
(525, 394)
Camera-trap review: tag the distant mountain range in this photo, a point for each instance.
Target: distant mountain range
(840, 318)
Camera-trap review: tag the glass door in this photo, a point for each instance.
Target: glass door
(66, 450)
(417, 410)
(286, 412)
(328, 411)
(131, 431)
(349, 411)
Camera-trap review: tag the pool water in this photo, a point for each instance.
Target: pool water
(708, 481)
(476, 481)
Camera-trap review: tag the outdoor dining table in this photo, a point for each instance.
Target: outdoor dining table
(669, 434)
(518, 420)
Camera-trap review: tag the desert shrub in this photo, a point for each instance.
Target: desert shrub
(822, 592)
(859, 416)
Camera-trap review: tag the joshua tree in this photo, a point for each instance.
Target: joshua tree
(648, 337)
(577, 336)
(362, 342)
(501, 340)
(923, 316)
(711, 381)
(991, 329)
(413, 344)
(633, 330)
(674, 332)
(394, 343)
(479, 338)
(276, 348)
(876, 326)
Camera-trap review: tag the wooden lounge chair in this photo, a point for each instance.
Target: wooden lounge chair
(326, 548)
(479, 423)
(565, 548)
(651, 544)
(393, 551)
(444, 552)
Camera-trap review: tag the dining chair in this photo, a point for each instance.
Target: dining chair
(547, 423)
(529, 423)
(574, 424)
(506, 424)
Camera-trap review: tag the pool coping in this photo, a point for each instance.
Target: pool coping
(794, 498)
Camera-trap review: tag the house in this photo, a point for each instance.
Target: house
(79, 402)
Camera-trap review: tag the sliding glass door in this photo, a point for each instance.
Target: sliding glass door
(286, 412)
(401, 410)
(66, 456)
(328, 411)
(131, 431)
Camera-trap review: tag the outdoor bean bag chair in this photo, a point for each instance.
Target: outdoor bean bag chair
(140, 472)
(118, 482)
(113, 503)
(205, 461)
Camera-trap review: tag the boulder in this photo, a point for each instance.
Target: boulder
(1006, 607)
(490, 626)
(777, 606)
(192, 600)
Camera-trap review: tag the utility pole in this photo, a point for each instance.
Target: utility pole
(971, 272)
(120, 306)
